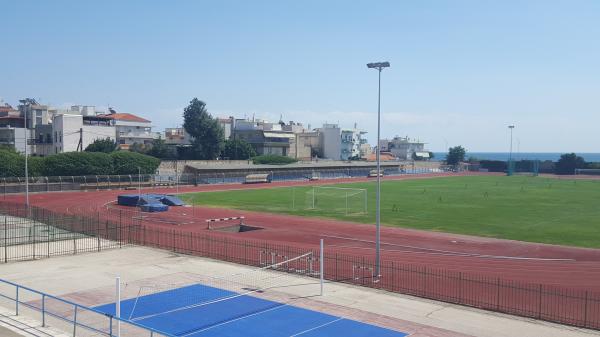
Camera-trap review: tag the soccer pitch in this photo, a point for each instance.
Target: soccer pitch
(534, 209)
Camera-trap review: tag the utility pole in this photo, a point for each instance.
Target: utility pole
(80, 144)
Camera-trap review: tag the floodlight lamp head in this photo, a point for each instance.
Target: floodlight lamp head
(378, 65)
(511, 126)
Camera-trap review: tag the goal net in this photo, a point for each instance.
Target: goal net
(589, 172)
(336, 199)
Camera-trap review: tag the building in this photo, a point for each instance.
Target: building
(130, 129)
(12, 129)
(340, 144)
(75, 132)
(352, 139)
(268, 138)
(227, 124)
(177, 136)
(403, 147)
(280, 143)
(35, 113)
(308, 145)
(365, 150)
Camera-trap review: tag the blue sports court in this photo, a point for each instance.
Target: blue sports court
(200, 310)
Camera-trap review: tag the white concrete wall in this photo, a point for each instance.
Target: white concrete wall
(65, 130)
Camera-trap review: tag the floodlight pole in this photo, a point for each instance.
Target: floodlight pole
(511, 127)
(26, 164)
(379, 66)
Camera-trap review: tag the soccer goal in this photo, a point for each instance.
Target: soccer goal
(588, 172)
(335, 199)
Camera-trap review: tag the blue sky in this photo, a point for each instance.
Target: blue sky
(461, 71)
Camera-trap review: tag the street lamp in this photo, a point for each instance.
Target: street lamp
(511, 127)
(379, 66)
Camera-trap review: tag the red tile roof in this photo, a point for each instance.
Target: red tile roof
(127, 117)
(6, 108)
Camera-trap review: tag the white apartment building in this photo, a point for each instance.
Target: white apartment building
(404, 147)
(131, 129)
(352, 139)
(69, 129)
(340, 144)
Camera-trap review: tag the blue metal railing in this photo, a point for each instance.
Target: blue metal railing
(111, 320)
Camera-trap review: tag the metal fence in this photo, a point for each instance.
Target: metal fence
(575, 307)
(36, 233)
(67, 316)
(106, 182)
(546, 302)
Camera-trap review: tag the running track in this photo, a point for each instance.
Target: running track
(530, 262)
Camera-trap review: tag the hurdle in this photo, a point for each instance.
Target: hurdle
(360, 273)
(209, 222)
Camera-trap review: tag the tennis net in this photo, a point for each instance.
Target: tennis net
(193, 291)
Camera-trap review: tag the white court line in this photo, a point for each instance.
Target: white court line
(234, 320)
(318, 327)
(451, 252)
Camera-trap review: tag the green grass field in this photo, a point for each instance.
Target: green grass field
(534, 209)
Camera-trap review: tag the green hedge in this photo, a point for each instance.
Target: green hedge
(12, 164)
(78, 164)
(272, 159)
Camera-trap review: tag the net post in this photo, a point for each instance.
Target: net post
(118, 305)
(346, 202)
(321, 258)
(44, 310)
(365, 193)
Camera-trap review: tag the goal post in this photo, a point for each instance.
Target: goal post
(336, 199)
(588, 172)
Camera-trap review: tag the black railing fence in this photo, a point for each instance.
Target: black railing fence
(11, 185)
(39, 233)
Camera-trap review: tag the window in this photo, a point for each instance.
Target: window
(60, 136)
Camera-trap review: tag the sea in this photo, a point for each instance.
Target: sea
(542, 156)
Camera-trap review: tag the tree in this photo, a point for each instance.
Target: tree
(273, 159)
(568, 162)
(207, 133)
(431, 155)
(127, 162)
(106, 145)
(159, 149)
(10, 163)
(138, 148)
(455, 155)
(238, 149)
